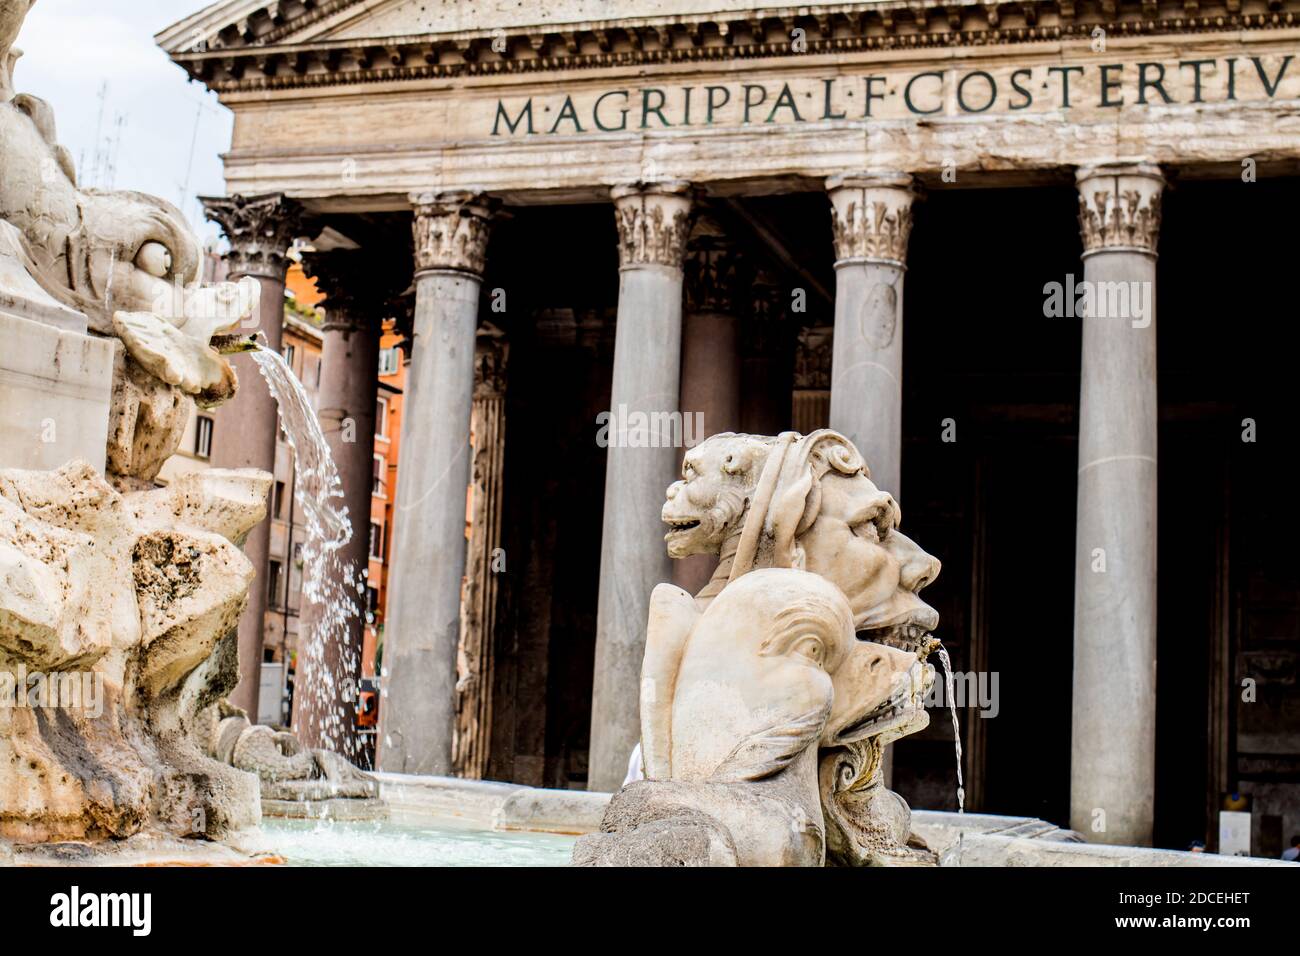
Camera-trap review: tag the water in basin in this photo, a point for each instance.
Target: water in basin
(385, 843)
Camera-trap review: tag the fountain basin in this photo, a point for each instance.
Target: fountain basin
(439, 842)
(444, 821)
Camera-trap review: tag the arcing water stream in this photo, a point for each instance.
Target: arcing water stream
(332, 588)
(950, 693)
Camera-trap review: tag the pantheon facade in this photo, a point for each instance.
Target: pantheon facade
(706, 213)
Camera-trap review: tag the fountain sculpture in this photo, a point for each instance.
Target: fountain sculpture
(787, 675)
(116, 619)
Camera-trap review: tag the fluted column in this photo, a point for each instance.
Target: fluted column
(417, 709)
(260, 230)
(357, 292)
(871, 222)
(653, 225)
(476, 660)
(710, 387)
(1112, 766)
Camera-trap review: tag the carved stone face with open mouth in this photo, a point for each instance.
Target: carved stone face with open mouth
(126, 260)
(708, 504)
(879, 689)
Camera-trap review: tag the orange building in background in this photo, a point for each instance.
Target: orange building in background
(393, 362)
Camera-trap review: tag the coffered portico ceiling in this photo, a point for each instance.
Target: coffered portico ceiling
(355, 103)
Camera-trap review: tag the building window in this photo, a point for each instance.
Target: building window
(377, 489)
(277, 500)
(203, 436)
(389, 361)
(376, 541)
(287, 353)
(273, 583)
(372, 603)
(381, 418)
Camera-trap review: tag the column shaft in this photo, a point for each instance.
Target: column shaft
(1112, 767)
(641, 461)
(422, 622)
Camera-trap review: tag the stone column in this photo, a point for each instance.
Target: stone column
(765, 359)
(653, 225)
(871, 222)
(417, 710)
(1112, 764)
(474, 664)
(260, 230)
(329, 653)
(710, 387)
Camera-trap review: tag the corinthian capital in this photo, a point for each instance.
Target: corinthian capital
(1119, 208)
(871, 216)
(654, 221)
(260, 230)
(452, 230)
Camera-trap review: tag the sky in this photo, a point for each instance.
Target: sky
(172, 132)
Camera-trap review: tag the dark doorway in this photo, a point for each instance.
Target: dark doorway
(559, 277)
(991, 389)
(1228, 703)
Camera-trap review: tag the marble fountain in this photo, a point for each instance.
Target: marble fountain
(765, 713)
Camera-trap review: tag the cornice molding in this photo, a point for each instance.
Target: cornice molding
(264, 63)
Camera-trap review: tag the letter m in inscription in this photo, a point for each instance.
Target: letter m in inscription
(526, 112)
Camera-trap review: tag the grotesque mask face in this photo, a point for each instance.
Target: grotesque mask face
(848, 532)
(127, 260)
(143, 266)
(877, 689)
(855, 542)
(708, 504)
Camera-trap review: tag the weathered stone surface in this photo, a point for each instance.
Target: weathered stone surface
(120, 600)
(120, 606)
(120, 264)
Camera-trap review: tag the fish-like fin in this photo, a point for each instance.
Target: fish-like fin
(673, 614)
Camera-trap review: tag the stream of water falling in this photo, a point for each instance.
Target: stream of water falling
(949, 693)
(330, 584)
